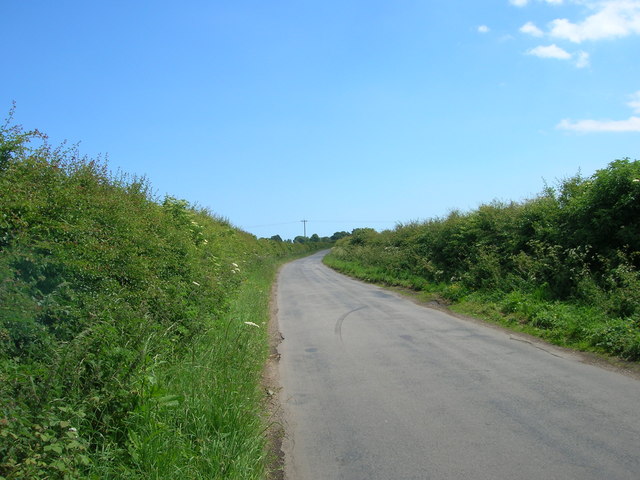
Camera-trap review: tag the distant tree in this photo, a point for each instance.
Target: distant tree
(276, 238)
(314, 238)
(361, 236)
(338, 235)
(300, 239)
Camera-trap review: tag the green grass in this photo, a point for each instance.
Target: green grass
(203, 417)
(375, 274)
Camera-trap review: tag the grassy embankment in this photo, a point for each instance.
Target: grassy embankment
(132, 330)
(563, 266)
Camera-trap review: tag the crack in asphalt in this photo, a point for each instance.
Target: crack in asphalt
(511, 337)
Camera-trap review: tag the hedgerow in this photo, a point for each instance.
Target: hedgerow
(577, 243)
(102, 288)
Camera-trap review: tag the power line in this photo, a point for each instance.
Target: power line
(273, 224)
(322, 221)
(355, 221)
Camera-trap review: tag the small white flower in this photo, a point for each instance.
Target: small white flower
(196, 284)
(235, 264)
(252, 324)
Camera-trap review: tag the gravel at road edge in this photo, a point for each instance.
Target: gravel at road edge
(272, 387)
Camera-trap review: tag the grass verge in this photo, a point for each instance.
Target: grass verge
(205, 417)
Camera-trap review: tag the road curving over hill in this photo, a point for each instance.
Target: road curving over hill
(377, 387)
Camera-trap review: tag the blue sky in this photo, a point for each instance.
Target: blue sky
(344, 113)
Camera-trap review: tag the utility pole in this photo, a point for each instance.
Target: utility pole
(305, 227)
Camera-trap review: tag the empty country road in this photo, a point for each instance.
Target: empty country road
(377, 387)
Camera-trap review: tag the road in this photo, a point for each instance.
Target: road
(377, 387)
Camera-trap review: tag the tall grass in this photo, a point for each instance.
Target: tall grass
(202, 417)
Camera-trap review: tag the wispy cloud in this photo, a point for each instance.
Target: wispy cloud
(608, 19)
(635, 102)
(549, 51)
(483, 29)
(632, 124)
(531, 29)
(524, 3)
(594, 126)
(582, 59)
(613, 18)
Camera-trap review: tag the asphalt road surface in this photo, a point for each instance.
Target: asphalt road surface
(377, 387)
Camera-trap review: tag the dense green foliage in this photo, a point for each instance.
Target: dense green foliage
(118, 314)
(566, 262)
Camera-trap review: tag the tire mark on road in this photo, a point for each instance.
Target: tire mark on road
(338, 328)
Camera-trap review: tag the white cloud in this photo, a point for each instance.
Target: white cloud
(524, 3)
(608, 19)
(632, 124)
(483, 29)
(531, 29)
(550, 51)
(582, 59)
(613, 18)
(593, 126)
(635, 102)
(553, 51)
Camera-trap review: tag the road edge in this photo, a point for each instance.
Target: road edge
(275, 432)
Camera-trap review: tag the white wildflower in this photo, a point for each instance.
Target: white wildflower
(196, 284)
(252, 324)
